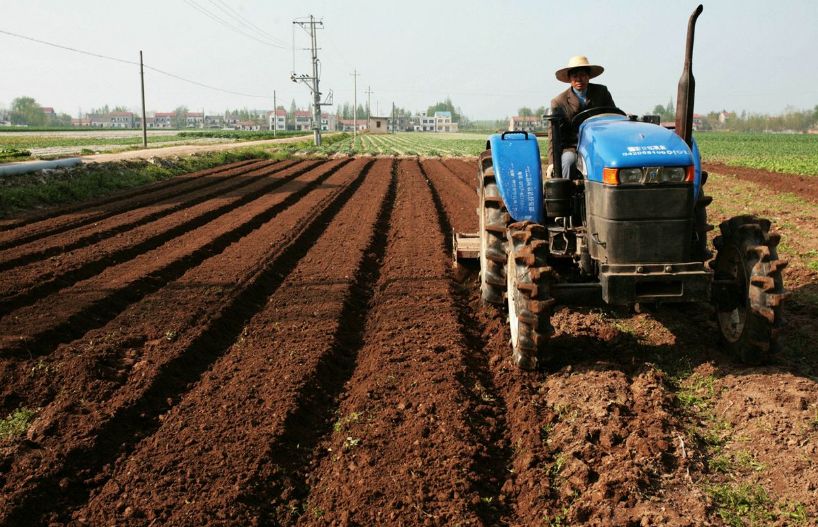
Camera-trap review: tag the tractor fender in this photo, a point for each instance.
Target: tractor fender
(518, 172)
(697, 162)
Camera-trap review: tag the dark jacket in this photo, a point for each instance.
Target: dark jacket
(596, 95)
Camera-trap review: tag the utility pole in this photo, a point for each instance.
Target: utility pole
(275, 114)
(369, 93)
(144, 117)
(355, 105)
(316, 93)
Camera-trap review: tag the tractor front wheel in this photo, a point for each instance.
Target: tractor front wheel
(529, 299)
(751, 317)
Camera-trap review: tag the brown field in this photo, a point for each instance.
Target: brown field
(285, 343)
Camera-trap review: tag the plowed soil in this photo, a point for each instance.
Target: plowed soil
(286, 343)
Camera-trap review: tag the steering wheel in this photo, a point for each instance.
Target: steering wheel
(580, 117)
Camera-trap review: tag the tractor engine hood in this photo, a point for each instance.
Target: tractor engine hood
(618, 142)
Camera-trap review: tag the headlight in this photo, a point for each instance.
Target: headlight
(628, 176)
(672, 174)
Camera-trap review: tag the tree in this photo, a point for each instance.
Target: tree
(100, 111)
(63, 119)
(25, 110)
(181, 115)
(525, 111)
(445, 106)
(539, 112)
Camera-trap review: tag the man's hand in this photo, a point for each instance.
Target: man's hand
(549, 171)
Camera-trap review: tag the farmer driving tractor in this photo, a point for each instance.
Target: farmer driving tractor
(582, 95)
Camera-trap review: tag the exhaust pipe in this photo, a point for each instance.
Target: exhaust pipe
(555, 117)
(687, 86)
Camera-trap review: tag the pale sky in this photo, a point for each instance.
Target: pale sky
(490, 56)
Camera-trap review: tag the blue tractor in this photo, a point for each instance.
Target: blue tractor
(629, 229)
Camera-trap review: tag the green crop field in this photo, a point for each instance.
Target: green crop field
(39, 141)
(790, 153)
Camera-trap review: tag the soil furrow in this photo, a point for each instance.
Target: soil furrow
(82, 236)
(111, 422)
(458, 199)
(25, 285)
(455, 204)
(277, 380)
(55, 212)
(403, 448)
(466, 171)
(140, 197)
(37, 329)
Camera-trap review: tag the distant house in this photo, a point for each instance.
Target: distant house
(697, 121)
(277, 120)
(121, 120)
(303, 120)
(348, 125)
(194, 120)
(439, 122)
(49, 112)
(81, 122)
(422, 123)
(231, 120)
(327, 122)
(399, 123)
(213, 121)
(98, 120)
(443, 122)
(524, 124)
(165, 120)
(247, 125)
(150, 122)
(378, 125)
(723, 116)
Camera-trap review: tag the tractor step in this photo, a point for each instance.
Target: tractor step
(465, 246)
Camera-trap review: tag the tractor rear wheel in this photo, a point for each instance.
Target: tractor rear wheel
(493, 222)
(529, 299)
(751, 318)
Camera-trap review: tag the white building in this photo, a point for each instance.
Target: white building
(524, 124)
(277, 120)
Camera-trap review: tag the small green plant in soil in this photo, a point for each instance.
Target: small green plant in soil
(16, 423)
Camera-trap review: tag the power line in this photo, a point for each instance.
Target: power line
(134, 64)
(206, 86)
(210, 15)
(250, 24)
(335, 48)
(69, 49)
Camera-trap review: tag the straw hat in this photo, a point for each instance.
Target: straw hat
(579, 61)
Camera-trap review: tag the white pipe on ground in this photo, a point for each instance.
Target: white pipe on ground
(34, 166)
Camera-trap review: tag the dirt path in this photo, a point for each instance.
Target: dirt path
(181, 150)
(284, 343)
